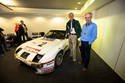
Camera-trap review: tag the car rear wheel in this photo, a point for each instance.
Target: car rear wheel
(59, 59)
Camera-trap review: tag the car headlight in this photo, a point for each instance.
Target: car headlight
(48, 64)
(37, 65)
(40, 66)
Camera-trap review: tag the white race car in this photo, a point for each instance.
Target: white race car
(44, 53)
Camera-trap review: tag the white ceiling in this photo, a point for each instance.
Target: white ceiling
(53, 7)
(49, 4)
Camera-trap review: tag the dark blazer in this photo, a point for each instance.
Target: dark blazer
(76, 26)
(21, 29)
(2, 38)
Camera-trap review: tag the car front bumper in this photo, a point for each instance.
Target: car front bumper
(47, 67)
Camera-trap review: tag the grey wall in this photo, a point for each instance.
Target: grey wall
(110, 44)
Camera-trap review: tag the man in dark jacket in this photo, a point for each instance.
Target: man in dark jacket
(1, 37)
(23, 31)
(73, 30)
(3, 46)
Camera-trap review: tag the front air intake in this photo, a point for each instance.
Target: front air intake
(25, 55)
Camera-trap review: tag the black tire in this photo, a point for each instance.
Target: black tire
(59, 59)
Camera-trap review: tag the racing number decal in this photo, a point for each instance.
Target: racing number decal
(31, 49)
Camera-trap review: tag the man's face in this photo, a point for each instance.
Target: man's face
(71, 16)
(22, 22)
(88, 17)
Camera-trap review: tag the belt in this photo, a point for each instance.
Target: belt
(72, 33)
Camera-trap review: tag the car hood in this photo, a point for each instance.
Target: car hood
(41, 45)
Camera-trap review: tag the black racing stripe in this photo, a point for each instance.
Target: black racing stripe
(18, 50)
(37, 58)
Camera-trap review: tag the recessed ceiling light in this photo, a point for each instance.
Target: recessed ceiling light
(79, 3)
(7, 2)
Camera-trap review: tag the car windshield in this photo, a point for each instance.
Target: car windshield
(56, 34)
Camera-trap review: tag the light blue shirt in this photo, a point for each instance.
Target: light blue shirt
(89, 32)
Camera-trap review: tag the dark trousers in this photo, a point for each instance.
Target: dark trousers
(18, 38)
(22, 37)
(85, 53)
(1, 49)
(25, 35)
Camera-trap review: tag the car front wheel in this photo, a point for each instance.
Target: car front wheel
(59, 59)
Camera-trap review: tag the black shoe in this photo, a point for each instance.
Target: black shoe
(75, 62)
(79, 62)
(84, 69)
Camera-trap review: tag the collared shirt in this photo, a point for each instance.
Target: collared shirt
(72, 30)
(89, 32)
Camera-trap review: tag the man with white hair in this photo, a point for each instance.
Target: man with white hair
(88, 35)
(73, 30)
